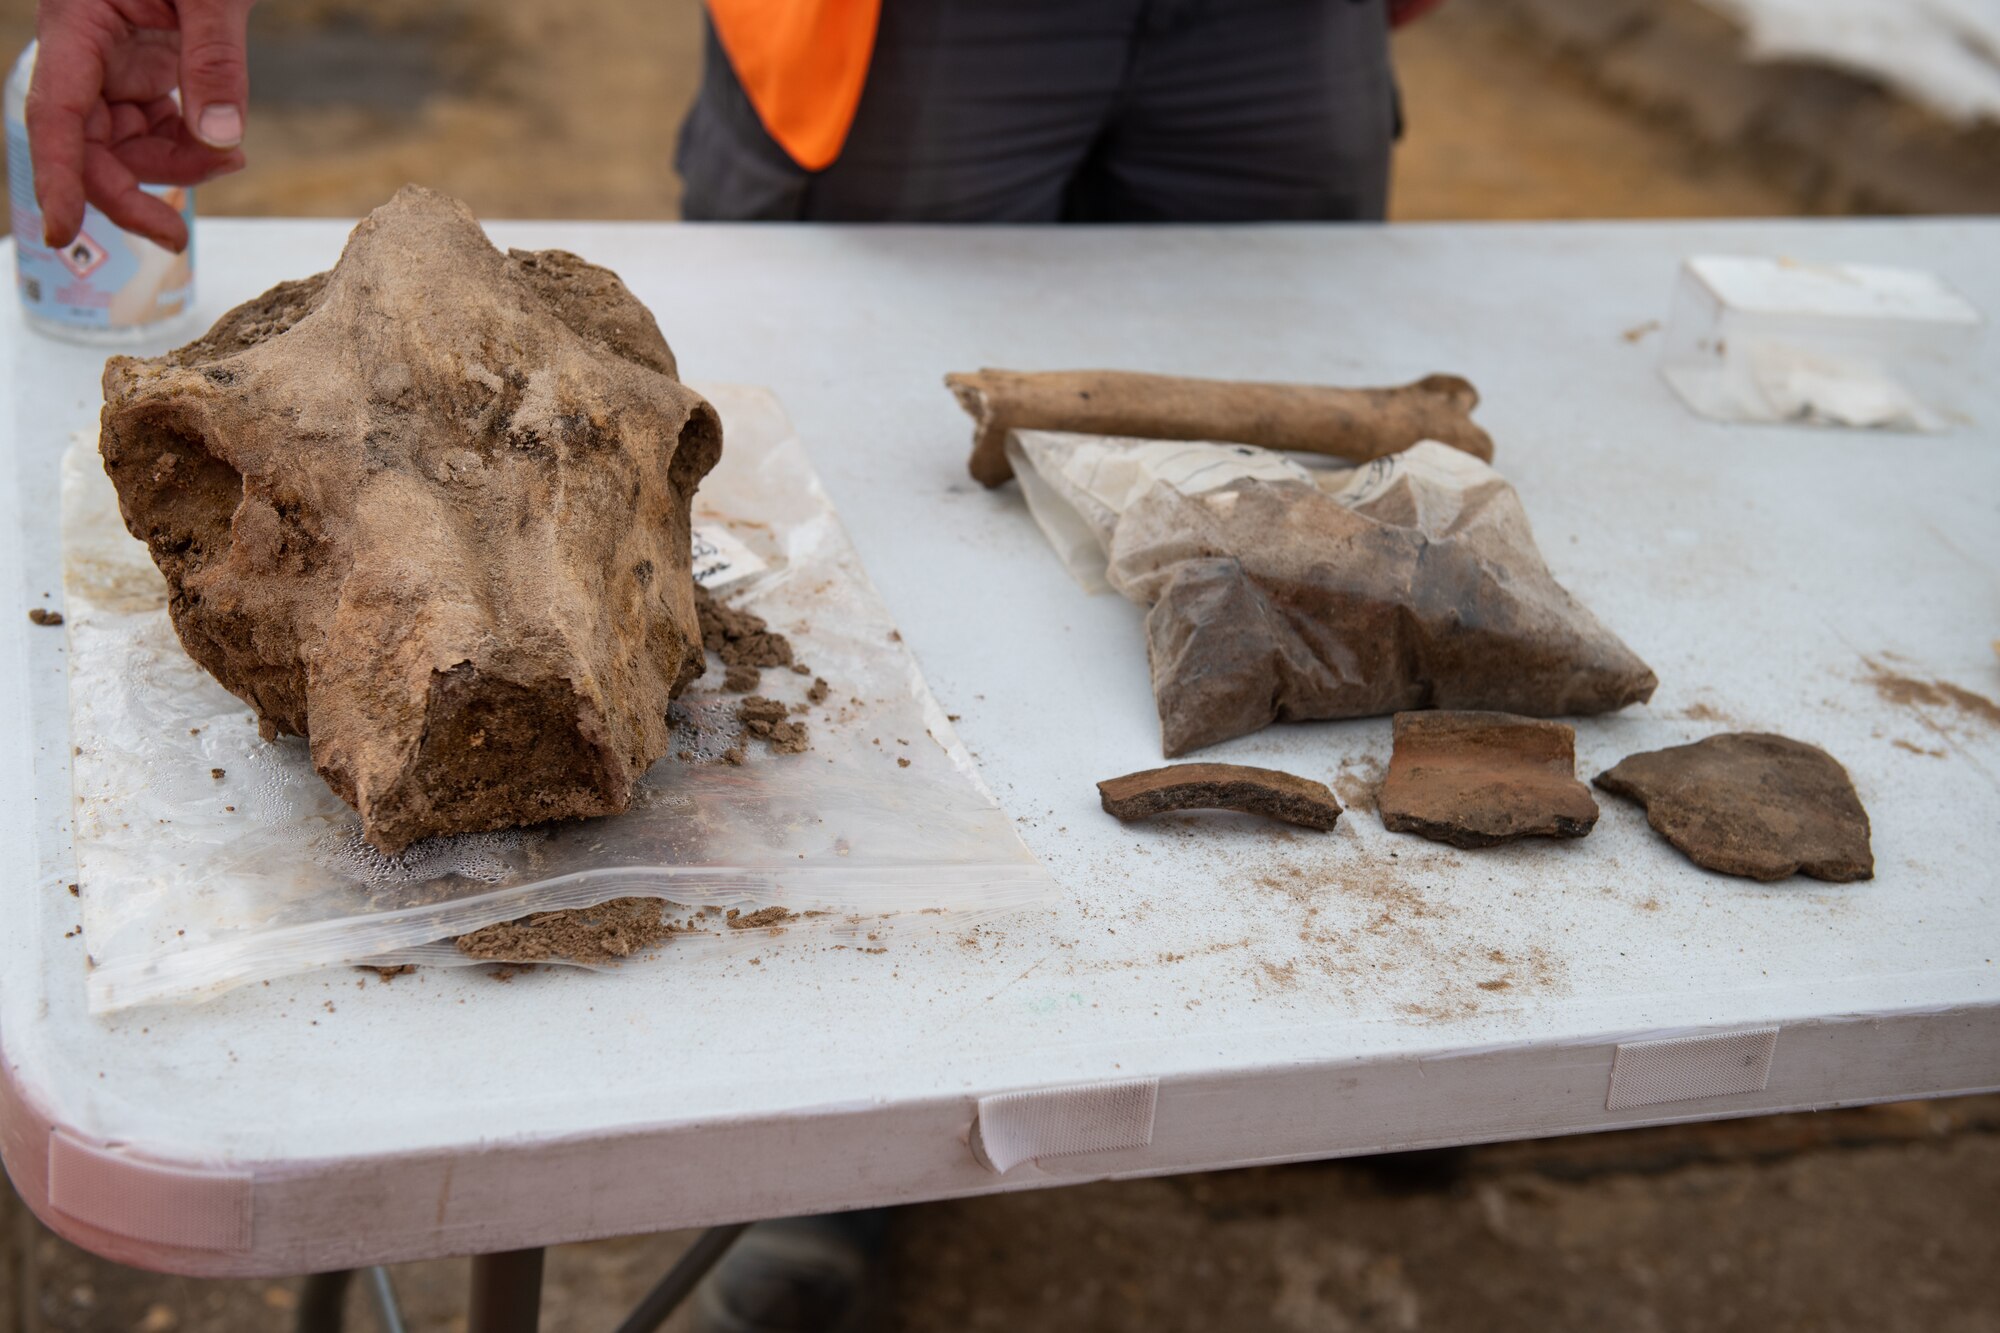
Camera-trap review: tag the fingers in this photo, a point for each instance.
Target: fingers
(160, 151)
(160, 161)
(69, 76)
(115, 190)
(91, 141)
(1405, 11)
(215, 82)
(115, 124)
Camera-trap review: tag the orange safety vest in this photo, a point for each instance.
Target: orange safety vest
(803, 63)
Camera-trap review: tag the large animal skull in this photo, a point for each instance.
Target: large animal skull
(430, 510)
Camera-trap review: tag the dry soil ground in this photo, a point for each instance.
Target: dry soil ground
(1868, 1220)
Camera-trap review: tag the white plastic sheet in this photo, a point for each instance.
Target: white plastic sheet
(1943, 54)
(210, 859)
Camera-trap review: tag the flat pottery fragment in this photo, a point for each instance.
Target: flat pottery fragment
(1240, 787)
(1473, 779)
(1751, 804)
(430, 511)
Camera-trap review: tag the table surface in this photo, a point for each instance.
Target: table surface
(1295, 995)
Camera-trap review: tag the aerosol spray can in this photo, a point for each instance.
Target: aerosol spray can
(107, 286)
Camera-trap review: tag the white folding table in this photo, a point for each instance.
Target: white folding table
(1210, 992)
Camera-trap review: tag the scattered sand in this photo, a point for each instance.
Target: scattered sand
(763, 916)
(1909, 692)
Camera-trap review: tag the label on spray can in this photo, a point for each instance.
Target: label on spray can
(106, 279)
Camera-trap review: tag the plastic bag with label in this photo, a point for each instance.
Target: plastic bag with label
(210, 858)
(1276, 593)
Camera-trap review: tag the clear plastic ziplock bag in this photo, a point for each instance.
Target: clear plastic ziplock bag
(210, 859)
(1278, 593)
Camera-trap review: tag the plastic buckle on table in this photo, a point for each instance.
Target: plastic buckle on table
(191, 1208)
(1680, 1069)
(1016, 1127)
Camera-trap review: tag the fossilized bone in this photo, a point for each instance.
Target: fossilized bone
(1355, 424)
(430, 511)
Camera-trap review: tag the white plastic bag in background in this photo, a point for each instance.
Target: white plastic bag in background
(211, 859)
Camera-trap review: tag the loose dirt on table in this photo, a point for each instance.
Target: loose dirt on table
(1906, 691)
(1358, 781)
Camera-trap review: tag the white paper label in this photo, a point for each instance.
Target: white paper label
(1117, 472)
(720, 560)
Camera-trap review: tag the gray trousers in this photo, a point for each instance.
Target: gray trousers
(1077, 110)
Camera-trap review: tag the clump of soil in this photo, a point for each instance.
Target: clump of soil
(41, 615)
(1240, 787)
(739, 637)
(757, 713)
(602, 934)
(747, 645)
(1475, 779)
(769, 721)
(763, 916)
(1751, 804)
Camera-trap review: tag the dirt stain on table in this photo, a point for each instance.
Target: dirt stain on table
(1936, 696)
(1385, 927)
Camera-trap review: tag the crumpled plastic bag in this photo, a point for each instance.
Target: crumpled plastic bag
(210, 858)
(1282, 594)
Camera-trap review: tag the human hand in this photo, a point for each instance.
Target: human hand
(101, 114)
(1402, 11)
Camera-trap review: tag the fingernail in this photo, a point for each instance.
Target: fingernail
(221, 126)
